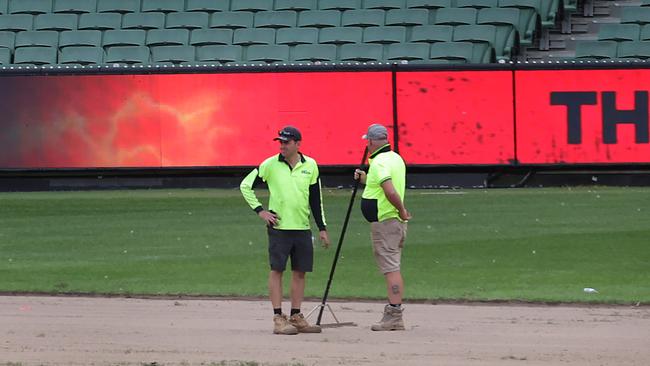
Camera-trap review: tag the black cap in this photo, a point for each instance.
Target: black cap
(289, 133)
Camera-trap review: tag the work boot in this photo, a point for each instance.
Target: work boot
(282, 326)
(298, 321)
(392, 319)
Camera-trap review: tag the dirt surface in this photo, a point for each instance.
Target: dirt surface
(114, 331)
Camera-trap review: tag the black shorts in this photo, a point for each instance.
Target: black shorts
(296, 244)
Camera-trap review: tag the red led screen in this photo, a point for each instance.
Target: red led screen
(582, 116)
(187, 119)
(455, 117)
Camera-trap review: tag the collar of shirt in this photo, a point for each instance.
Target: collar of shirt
(383, 149)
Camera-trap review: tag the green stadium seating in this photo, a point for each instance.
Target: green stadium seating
(130, 37)
(453, 52)
(144, 21)
(432, 33)
(35, 55)
(203, 37)
(455, 16)
(637, 50)
(645, 3)
(163, 6)
(16, 23)
(384, 35)
(187, 20)
(506, 16)
(319, 18)
(127, 55)
(3, 7)
(634, 14)
(56, 22)
(37, 38)
(294, 36)
(408, 51)
(384, 4)
(296, 5)
(33, 7)
(231, 20)
(503, 45)
(7, 39)
(276, 19)
(81, 55)
(596, 49)
(208, 6)
(75, 6)
(476, 4)
(645, 33)
(341, 35)
(5, 56)
(100, 21)
(87, 38)
(118, 6)
(314, 52)
(529, 23)
(167, 37)
(363, 18)
(173, 54)
(428, 4)
(339, 4)
(407, 17)
(619, 32)
(219, 53)
(254, 36)
(251, 5)
(362, 52)
(268, 53)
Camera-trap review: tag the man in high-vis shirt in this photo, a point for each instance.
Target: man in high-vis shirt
(295, 191)
(382, 205)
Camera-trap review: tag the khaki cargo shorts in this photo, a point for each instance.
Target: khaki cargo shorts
(387, 242)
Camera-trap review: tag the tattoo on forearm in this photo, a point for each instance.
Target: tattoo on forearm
(395, 289)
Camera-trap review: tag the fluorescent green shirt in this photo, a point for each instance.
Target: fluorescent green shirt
(293, 192)
(385, 164)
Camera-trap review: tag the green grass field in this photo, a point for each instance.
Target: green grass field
(499, 244)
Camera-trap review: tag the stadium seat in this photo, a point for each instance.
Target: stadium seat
(637, 15)
(5, 56)
(596, 49)
(7, 39)
(363, 18)
(384, 4)
(163, 6)
(219, 53)
(295, 5)
(645, 33)
(56, 22)
(432, 33)
(167, 37)
(637, 50)
(455, 16)
(384, 35)
(428, 4)
(503, 46)
(75, 6)
(505, 16)
(187, 20)
(362, 52)
(35, 55)
(203, 37)
(340, 5)
(87, 38)
(33, 7)
(37, 38)
(248, 37)
(3, 7)
(294, 36)
(118, 6)
(314, 52)
(251, 5)
(476, 4)
(408, 51)
(100, 21)
(276, 19)
(619, 32)
(645, 3)
(208, 6)
(528, 23)
(319, 18)
(173, 54)
(455, 52)
(127, 55)
(131, 37)
(341, 35)
(16, 23)
(144, 21)
(81, 55)
(234, 20)
(268, 53)
(407, 17)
